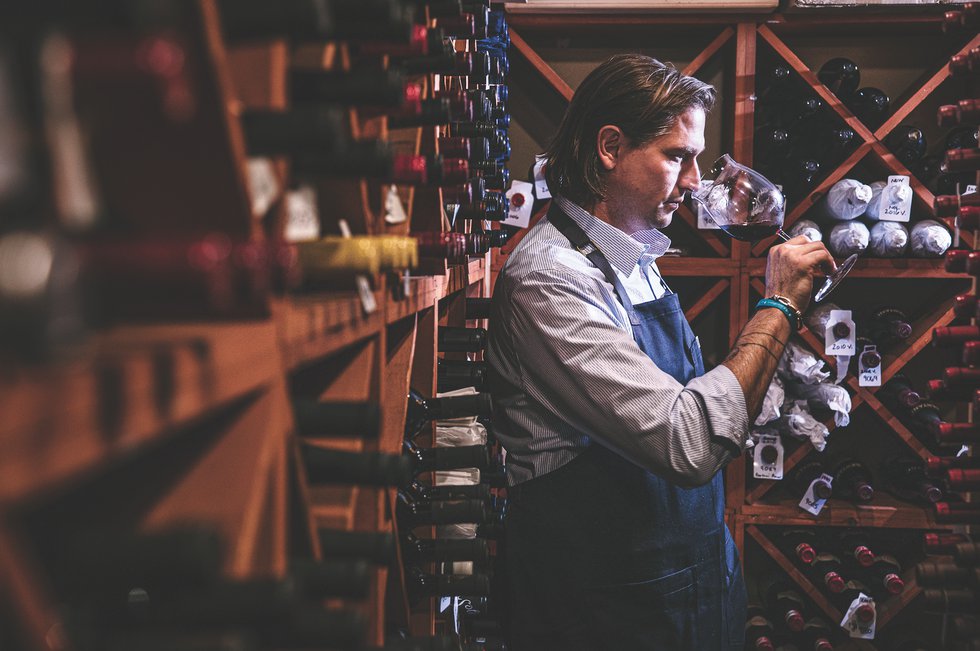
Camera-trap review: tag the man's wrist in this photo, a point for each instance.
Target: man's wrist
(784, 305)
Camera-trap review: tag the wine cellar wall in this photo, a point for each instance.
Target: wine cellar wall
(242, 247)
(794, 106)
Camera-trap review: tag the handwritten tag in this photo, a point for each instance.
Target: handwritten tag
(302, 218)
(541, 190)
(856, 628)
(767, 460)
(896, 200)
(810, 502)
(869, 376)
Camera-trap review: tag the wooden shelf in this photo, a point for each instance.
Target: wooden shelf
(884, 512)
(312, 327)
(894, 268)
(138, 384)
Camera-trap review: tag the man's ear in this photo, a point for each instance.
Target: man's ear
(610, 143)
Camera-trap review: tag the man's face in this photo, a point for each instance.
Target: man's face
(649, 182)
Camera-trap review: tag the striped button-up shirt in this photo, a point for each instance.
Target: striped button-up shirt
(562, 340)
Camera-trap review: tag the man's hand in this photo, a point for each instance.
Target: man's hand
(791, 267)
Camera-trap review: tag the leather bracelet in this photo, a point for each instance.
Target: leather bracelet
(792, 315)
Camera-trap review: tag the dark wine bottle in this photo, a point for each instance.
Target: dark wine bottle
(372, 546)
(942, 543)
(906, 479)
(449, 457)
(852, 481)
(413, 513)
(441, 245)
(478, 308)
(305, 128)
(864, 613)
(963, 112)
(898, 390)
(937, 466)
(956, 512)
(817, 635)
(948, 336)
(870, 105)
(825, 571)
(799, 544)
(784, 601)
(908, 143)
(417, 550)
(963, 479)
(961, 160)
(888, 325)
(423, 410)
(886, 574)
(420, 491)
(457, 374)
(855, 544)
(377, 88)
(841, 75)
(462, 340)
(965, 307)
(803, 475)
(759, 631)
(421, 585)
(957, 433)
(951, 601)
(325, 466)
(315, 418)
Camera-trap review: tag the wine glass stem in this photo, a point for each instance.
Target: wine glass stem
(783, 235)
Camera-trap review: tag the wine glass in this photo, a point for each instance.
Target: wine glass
(749, 207)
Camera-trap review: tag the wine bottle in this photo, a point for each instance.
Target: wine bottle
(305, 128)
(413, 513)
(825, 571)
(423, 410)
(841, 76)
(965, 307)
(316, 418)
(968, 217)
(448, 458)
(421, 585)
(848, 238)
(906, 479)
(852, 481)
(888, 240)
(967, 554)
(759, 631)
(325, 466)
(847, 199)
(799, 544)
(492, 209)
(964, 111)
(889, 325)
(817, 635)
(943, 543)
(428, 113)
(472, 149)
(950, 336)
(372, 546)
(885, 197)
(421, 41)
(961, 160)
(462, 340)
(927, 417)
(855, 544)
(853, 589)
(929, 239)
(472, 191)
(458, 374)
(900, 391)
(908, 143)
(363, 88)
(417, 550)
(420, 491)
(937, 466)
(870, 105)
(478, 308)
(943, 574)
(808, 229)
(785, 602)
(963, 479)
(801, 476)
(951, 601)
(334, 578)
(956, 512)
(445, 245)
(799, 174)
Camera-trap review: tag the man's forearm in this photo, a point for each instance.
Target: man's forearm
(755, 355)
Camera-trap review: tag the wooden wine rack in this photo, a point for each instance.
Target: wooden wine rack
(734, 270)
(154, 425)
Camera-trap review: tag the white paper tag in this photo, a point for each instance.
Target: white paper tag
(360, 281)
(521, 196)
(810, 502)
(394, 210)
(302, 219)
(856, 628)
(899, 205)
(263, 186)
(770, 468)
(869, 376)
(843, 345)
(705, 222)
(541, 190)
(970, 189)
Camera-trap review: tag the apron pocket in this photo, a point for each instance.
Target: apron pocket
(653, 615)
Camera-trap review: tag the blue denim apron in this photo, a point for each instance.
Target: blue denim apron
(603, 555)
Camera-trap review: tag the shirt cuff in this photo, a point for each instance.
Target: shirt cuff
(724, 402)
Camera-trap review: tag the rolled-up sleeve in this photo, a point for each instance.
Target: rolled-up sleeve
(579, 361)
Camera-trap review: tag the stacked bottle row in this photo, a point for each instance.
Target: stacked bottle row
(857, 218)
(950, 578)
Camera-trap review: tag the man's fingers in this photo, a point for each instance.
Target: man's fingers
(821, 259)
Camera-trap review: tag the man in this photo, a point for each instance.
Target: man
(615, 434)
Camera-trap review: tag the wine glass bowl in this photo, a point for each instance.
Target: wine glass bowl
(749, 207)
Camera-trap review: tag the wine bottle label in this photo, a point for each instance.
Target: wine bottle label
(521, 197)
(768, 458)
(541, 190)
(869, 376)
(860, 627)
(810, 502)
(896, 200)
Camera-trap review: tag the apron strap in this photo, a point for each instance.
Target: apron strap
(567, 227)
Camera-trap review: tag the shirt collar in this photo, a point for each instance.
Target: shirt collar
(623, 251)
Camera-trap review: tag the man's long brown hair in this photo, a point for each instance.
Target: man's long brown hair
(636, 93)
